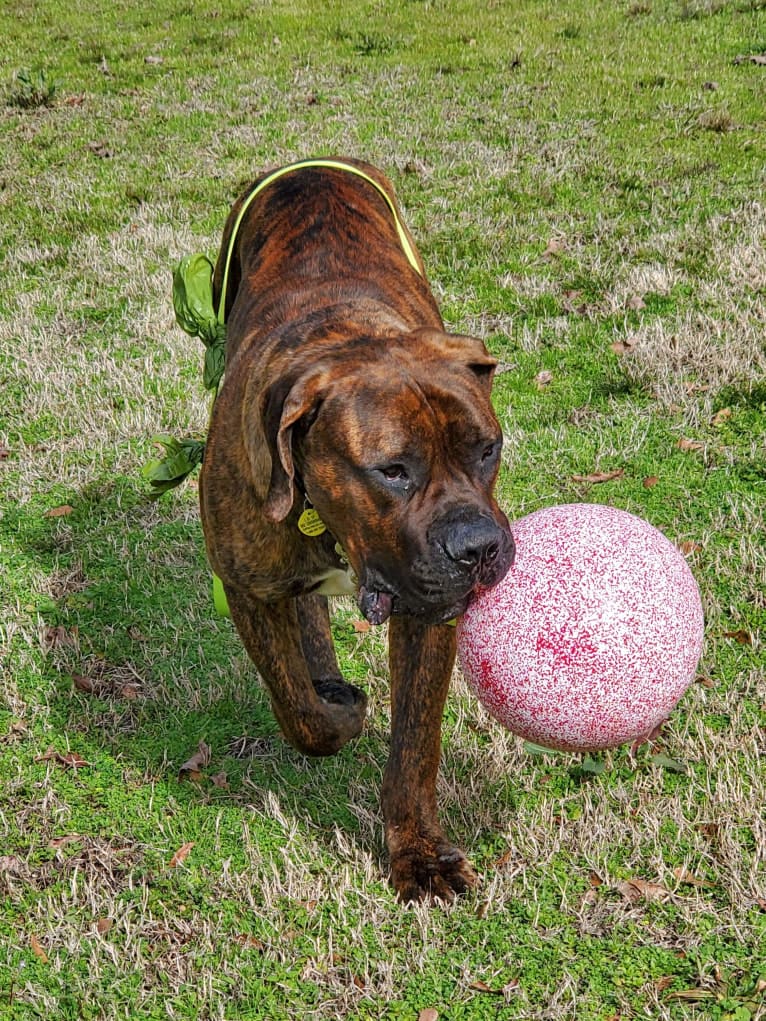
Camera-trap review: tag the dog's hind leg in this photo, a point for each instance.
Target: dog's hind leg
(317, 715)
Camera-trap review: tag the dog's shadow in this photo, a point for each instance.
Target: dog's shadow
(139, 666)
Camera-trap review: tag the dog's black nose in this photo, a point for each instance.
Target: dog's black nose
(473, 544)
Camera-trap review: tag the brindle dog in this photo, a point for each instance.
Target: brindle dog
(343, 392)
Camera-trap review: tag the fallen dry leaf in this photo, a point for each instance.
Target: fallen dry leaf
(104, 925)
(181, 855)
(37, 949)
(192, 768)
(554, 247)
(220, 780)
(57, 842)
(685, 444)
(100, 149)
(4, 453)
(543, 379)
(740, 636)
(362, 626)
(59, 512)
(429, 1014)
(58, 637)
(249, 942)
(635, 890)
(721, 416)
(650, 481)
(689, 879)
(69, 759)
(597, 477)
(688, 547)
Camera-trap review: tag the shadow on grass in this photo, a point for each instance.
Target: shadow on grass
(138, 669)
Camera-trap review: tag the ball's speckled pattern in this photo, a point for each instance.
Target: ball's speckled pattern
(593, 635)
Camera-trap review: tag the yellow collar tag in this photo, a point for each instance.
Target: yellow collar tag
(310, 523)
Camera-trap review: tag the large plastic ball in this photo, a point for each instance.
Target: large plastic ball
(593, 635)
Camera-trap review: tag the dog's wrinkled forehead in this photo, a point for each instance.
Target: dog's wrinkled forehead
(406, 413)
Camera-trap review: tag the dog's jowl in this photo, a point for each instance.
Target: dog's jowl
(352, 448)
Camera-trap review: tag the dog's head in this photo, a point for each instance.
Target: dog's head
(397, 447)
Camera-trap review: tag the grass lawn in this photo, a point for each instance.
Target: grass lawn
(586, 183)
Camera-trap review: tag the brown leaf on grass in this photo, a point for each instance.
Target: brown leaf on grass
(624, 346)
(650, 481)
(59, 637)
(103, 925)
(761, 902)
(636, 890)
(554, 247)
(181, 855)
(686, 445)
(56, 842)
(661, 984)
(688, 546)
(59, 512)
(192, 768)
(100, 149)
(598, 477)
(362, 627)
(16, 732)
(741, 636)
(689, 879)
(4, 453)
(220, 780)
(482, 987)
(543, 379)
(37, 948)
(70, 760)
(721, 416)
(429, 1014)
(107, 682)
(243, 939)
(572, 302)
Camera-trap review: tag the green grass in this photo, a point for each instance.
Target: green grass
(585, 182)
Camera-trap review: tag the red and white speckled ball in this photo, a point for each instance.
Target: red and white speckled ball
(593, 635)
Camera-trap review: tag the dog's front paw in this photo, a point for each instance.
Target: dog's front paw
(431, 869)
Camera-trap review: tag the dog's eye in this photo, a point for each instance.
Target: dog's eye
(395, 473)
(489, 452)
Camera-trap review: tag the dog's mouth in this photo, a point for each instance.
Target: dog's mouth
(378, 605)
(437, 586)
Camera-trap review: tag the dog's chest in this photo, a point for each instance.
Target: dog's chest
(335, 582)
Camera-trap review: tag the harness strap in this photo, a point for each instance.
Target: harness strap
(307, 164)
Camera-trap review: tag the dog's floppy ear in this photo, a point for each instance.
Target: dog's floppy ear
(286, 404)
(459, 347)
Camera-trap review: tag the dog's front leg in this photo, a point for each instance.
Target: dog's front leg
(423, 862)
(318, 715)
